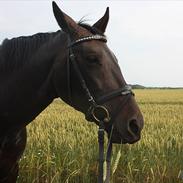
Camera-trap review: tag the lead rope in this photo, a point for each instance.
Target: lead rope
(108, 158)
(108, 161)
(101, 152)
(101, 155)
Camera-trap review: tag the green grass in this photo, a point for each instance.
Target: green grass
(62, 147)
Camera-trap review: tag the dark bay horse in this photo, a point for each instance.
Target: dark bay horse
(36, 69)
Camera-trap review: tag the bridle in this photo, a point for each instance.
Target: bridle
(96, 109)
(96, 104)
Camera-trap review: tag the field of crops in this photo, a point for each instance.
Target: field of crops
(62, 147)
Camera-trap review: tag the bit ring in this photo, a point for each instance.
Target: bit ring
(97, 111)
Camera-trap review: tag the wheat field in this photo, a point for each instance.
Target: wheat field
(62, 147)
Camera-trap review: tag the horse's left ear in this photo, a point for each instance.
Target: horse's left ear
(102, 23)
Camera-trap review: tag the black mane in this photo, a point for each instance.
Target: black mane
(15, 52)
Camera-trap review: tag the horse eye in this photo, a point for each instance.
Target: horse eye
(93, 60)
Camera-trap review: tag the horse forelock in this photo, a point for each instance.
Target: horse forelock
(90, 28)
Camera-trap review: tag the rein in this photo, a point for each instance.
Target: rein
(97, 107)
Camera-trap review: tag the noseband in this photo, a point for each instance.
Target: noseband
(96, 108)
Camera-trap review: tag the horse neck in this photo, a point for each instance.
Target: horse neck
(31, 88)
(43, 63)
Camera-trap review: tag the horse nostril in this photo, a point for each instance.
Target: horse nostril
(133, 128)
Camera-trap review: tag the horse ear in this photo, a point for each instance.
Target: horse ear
(101, 24)
(65, 22)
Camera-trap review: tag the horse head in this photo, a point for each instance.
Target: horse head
(94, 82)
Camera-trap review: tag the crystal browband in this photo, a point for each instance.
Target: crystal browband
(88, 38)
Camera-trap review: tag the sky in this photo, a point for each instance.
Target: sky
(146, 36)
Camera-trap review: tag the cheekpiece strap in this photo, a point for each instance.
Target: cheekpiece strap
(89, 38)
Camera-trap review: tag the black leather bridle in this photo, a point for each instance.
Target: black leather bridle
(96, 109)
